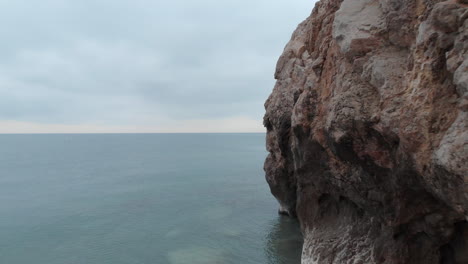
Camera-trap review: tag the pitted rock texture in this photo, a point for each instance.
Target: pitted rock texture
(367, 129)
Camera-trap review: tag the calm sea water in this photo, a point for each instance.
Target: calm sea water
(147, 198)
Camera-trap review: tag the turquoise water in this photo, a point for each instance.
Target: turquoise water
(140, 198)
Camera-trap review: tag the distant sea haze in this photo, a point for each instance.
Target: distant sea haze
(140, 198)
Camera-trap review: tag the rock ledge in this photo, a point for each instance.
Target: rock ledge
(368, 132)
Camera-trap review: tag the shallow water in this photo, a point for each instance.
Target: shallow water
(140, 198)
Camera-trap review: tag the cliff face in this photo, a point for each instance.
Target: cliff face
(368, 131)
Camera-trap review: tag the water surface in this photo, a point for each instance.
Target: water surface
(139, 198)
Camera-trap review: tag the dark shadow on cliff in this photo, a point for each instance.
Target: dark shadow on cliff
(283, 244)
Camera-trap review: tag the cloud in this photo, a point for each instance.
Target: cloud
(138, 64)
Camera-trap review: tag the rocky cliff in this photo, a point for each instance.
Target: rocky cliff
(368, 131)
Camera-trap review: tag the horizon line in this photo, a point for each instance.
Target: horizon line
(128, 133)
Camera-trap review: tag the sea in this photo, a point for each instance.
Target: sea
(140, 199)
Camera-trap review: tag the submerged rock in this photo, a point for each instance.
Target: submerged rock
(368, 132)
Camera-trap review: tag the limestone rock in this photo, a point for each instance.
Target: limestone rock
(367, 130)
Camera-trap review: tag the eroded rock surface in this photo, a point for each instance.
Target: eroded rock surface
(368, 131)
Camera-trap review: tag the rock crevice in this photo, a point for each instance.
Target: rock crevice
(367, 130)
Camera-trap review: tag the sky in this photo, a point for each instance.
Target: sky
(140, 66)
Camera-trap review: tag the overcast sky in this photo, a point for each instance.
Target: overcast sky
(140, 65)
